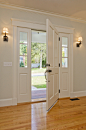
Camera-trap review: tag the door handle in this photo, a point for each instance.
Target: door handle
(47, 81)
(47, 64)
(45, 74)
(48, 70)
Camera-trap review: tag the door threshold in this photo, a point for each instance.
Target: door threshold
(39, 100)
(33, 101)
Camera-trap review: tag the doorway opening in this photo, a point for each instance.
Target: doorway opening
(38, 65)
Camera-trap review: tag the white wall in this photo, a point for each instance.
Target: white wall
(6, 48)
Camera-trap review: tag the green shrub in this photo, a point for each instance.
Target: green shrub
(44, 63)
(21, 64)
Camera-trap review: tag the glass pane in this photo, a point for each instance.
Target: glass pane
(23, 37)
(64, 62)
(23, 61)
(64, 52)
(65, 41)
(23, 49)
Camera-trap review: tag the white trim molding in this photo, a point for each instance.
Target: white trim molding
(77, 94)
(39, 26)
(6, 102)
(17, 7)
(14, 101)
(15, 67)
(28, 24)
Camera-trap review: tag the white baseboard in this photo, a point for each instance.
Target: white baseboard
(5, 102)
(14, 101)
(8, 102)
(77, 94)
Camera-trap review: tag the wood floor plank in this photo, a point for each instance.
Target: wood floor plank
(65, 115)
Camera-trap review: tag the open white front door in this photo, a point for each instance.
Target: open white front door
(24, 65)
(52, 64)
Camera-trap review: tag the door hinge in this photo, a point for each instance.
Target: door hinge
(59, 90)
(59, 64)
(59, 38)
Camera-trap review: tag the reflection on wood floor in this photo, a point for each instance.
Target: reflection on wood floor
(65, 115)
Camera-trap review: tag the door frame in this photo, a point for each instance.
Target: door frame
(35, 26)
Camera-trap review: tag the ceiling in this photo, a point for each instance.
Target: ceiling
(70, 8)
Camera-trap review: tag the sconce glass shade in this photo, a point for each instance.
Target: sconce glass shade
(80, 39)
(5, 30)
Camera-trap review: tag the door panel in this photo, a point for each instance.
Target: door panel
(65, 81)
(52, 59)
(64, 65)
(22, 83)
(56, 82)
(24, 65)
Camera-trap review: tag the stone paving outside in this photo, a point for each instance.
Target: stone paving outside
(38, 92)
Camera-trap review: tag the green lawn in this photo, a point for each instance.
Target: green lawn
(40, 86)
(39, 81)
(38, 70)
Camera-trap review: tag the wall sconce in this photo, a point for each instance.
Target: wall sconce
(79, 41)
(5, 38)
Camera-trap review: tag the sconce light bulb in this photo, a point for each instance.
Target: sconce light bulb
(80, 39)
(5, 30)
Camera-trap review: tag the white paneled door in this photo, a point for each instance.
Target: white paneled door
(52, 65)
(64, 65)
(24, 65)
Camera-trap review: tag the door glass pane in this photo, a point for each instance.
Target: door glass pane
(23, 37)
(65, 62)
(23, 61)
(23, 49)
(65, 41)
(64, 52)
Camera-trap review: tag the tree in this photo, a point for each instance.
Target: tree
(63, 55)
(38, 52)
(21, 64)
(23, 51)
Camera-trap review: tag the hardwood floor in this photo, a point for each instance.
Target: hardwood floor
(65, 115)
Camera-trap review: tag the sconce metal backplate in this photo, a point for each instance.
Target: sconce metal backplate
(5, 38)
(78, 44)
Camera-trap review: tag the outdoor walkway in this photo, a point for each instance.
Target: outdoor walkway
(38, 74)
(38, 92)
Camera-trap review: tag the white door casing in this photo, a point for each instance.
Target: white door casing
(33, 25)
(64, 49)
(53, 60)
(24, 73)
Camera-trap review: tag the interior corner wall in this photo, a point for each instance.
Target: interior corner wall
(6, 48)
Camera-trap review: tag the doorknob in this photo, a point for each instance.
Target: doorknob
(47, 64)
(45, 74)
(48, 70)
